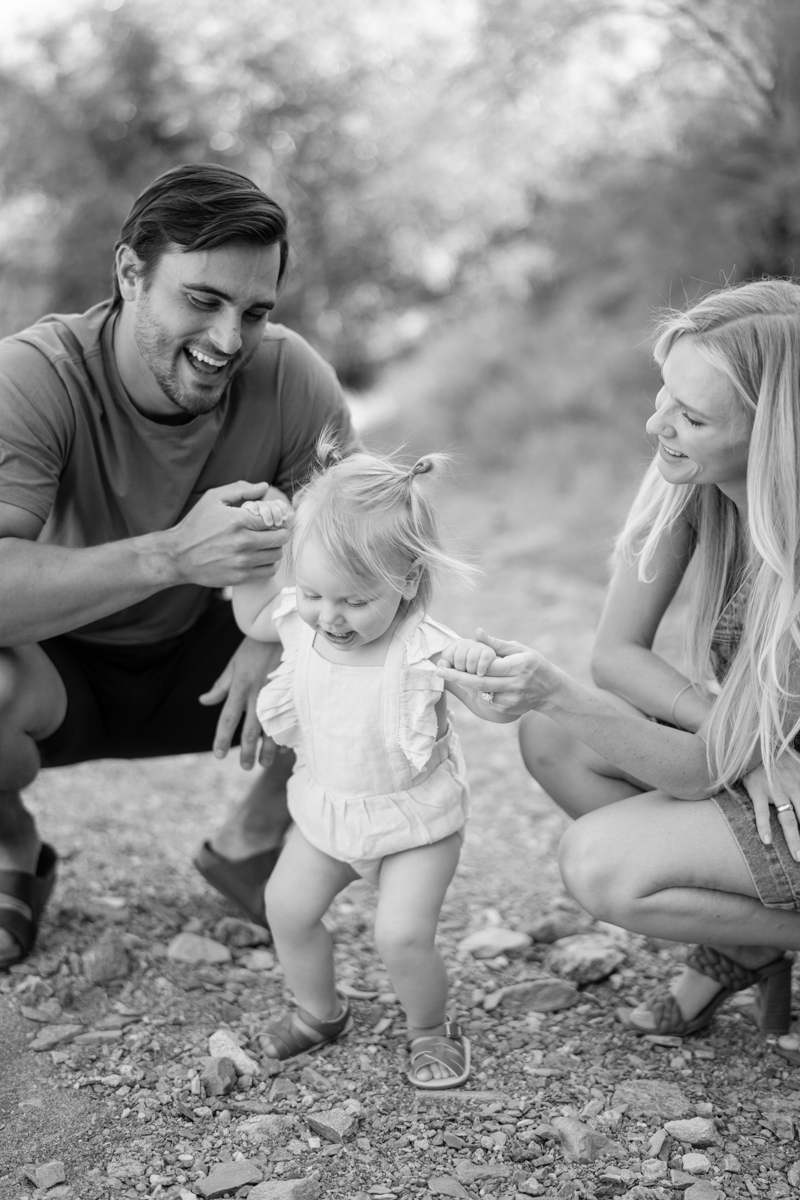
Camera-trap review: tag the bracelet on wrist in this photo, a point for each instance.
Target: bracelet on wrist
(672, 716)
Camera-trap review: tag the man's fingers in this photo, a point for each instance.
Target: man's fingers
(251, 732)
(219, 690)
(236, 493)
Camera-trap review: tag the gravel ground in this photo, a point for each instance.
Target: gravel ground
(560, 1104)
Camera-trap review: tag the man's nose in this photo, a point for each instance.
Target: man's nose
(226, 333)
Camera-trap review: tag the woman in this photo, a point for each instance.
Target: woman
(688, 820)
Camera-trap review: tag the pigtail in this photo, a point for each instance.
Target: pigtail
(420, 467)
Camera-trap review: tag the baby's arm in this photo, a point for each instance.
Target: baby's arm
(254, 602)
(474, 658)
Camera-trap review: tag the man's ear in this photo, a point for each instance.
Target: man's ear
(130, 272)
(411, 580)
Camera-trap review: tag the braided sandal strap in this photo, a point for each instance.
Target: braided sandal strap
(707, 960)
(668, 1016)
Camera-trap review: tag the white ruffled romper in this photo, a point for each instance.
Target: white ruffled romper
(371, 778)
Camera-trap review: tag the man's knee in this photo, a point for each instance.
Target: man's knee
(12, 681)
(593, 869)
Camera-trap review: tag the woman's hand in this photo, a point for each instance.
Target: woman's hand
(519, 679)
(785, 791)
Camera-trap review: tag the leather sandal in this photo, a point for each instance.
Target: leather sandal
(241, 881)
(23, 897)
(302, 1033)
(445, 1047)
(772, 1009)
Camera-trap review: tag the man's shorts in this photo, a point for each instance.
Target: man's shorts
(140, 701)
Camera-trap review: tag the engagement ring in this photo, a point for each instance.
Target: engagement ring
(487, 696)
(783, 807)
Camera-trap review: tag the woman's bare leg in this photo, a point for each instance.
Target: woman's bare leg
(577, 778)
(672, 869)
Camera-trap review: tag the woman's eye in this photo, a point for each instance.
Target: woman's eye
(358, 603)
(696, 424)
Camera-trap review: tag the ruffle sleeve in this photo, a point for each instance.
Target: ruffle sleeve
(275, 706)
(420, 690)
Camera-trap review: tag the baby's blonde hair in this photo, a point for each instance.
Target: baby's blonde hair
(374, 515)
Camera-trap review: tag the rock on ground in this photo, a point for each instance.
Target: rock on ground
(194, 948)
(697, 1131)
(584, 958)
(651, 1098)
(228, 1177)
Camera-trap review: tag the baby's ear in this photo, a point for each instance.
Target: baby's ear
(411, 580)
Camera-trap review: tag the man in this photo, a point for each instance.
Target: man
(130, 436)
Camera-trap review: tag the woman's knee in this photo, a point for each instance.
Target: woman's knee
(543, 744)
(593, 868)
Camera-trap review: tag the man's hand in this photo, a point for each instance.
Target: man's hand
(785, 791)
(239, 685)
(221, 541)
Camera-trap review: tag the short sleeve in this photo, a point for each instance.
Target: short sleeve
(36, 428)
(420, 690)
(311, 399)
(275, 706)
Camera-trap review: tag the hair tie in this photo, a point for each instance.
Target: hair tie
(421, 467)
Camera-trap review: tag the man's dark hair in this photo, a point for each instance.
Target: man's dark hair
(200, 206)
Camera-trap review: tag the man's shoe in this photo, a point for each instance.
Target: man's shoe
(241, 881)
(22, 900)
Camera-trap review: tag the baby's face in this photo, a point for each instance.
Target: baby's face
(344, 610)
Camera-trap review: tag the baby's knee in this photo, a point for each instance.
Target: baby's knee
(593, 870)
(395, 939)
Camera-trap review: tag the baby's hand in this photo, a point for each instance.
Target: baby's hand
(273, 513)
(464, 654)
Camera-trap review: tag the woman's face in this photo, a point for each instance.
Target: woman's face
(702, 427)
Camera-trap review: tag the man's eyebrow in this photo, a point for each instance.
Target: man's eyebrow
(212, 291)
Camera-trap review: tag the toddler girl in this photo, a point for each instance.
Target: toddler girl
(379, 788)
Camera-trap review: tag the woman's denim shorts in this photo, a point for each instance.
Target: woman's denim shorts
(775, 874)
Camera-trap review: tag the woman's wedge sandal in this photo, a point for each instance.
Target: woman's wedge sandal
(301, 1033)
(772, 1009)
(445, 1047)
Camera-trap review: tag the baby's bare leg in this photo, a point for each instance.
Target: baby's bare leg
(412, 888)
(298, 894)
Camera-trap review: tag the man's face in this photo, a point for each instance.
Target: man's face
(198, 320)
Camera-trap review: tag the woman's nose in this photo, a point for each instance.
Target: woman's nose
(660, 422)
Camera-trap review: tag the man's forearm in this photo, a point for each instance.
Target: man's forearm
(47, 590)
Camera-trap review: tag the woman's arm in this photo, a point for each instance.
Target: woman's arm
(522, 680)
(623, 660)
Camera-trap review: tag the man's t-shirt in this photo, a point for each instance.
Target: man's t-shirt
(75, 451)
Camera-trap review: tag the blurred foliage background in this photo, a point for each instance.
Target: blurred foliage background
(488, 197)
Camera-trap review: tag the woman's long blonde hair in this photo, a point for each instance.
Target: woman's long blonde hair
(752, 334)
